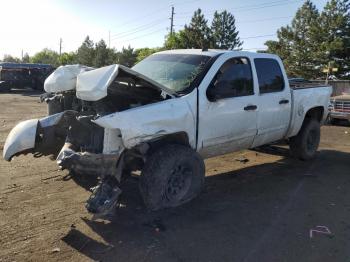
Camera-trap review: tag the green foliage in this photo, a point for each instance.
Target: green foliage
(223, 31)
(142, 53)
(10, 59)
(68, 58)
(86, 53)
(222, 34)
(198, 33)
(26, 58)
(314, 40)
(126, 57)
(102, 54)
(46, 56)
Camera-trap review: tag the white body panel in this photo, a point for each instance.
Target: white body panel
(273, 117)
(224, 126)
(305, 99)
(151, 121)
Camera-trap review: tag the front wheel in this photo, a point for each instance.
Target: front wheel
(171, 176)
(304, 145)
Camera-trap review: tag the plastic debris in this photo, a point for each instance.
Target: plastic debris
(56, 249)
(321, 230)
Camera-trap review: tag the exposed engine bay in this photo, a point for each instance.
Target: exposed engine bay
(81, 145)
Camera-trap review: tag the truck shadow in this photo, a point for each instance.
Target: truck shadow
(24, 92)
(234, 214)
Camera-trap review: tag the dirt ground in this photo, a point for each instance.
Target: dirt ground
(258, 209)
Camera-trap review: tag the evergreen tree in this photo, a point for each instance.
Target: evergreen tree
(197, 33)
(126, 57)
(223, 31)
(334, 37)
(101, 54)
(296, 44)
(86, 53)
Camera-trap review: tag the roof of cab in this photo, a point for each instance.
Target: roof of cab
(214, 52)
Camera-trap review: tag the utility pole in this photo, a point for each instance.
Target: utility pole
(109, 39)
(172, 21)
(60, 46)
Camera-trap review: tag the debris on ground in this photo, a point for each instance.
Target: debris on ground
(242, 159)
(56, 249)
(321, 230)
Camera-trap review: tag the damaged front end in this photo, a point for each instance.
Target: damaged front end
(79, 144)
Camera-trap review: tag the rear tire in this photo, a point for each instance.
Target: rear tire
(304, 145)
(172, 175)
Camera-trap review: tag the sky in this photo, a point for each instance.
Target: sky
(36, 24)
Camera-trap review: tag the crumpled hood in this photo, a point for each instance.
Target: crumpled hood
(93, 85)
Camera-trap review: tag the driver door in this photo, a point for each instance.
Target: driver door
(228, 110)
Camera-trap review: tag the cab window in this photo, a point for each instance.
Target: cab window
(269, 74)
(233, 79)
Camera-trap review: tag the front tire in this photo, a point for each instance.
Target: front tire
(304, 145)
(172, 175)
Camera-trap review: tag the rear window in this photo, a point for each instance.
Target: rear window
(269, 75)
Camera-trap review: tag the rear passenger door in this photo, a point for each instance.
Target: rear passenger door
(274, 101)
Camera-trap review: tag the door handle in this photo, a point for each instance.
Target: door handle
(284, 101)
(250, 108)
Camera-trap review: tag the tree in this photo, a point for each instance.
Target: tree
(101, 54)
(334, 37)
(178, 40)
(297, 44)
(10, 59)
(198, 32)
(68, 58)
(26, 58)
(126, 57)
(46, 56)
(223, 31)
(86, 53)
(142, 53)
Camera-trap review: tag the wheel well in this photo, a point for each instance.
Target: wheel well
(180, 138)
(315, 113)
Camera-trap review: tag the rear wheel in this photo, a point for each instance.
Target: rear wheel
(171, 176)
(304, 145)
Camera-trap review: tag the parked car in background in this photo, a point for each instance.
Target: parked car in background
(22, 75)
(339, 108)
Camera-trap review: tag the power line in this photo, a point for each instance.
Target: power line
(260, 6)
(139, 28)
(150, 33)
(257, 36)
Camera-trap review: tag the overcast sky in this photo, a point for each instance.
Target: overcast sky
(33, 25)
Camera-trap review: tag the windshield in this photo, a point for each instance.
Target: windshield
(174, 71)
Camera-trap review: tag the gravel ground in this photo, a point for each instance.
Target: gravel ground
(257, 210)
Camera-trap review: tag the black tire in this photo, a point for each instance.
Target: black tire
(333, 121)
(304, 145)
(172, 175)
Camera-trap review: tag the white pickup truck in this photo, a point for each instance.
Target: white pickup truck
(164, 116)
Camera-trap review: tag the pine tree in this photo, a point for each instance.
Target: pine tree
(297, 44)
(101, 54)
(223, 31)
(334, 40)
(86, 53)
(197, 32)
